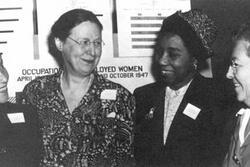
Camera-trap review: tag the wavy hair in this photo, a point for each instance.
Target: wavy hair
(63, 26)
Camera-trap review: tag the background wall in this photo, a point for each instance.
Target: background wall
(130, 28)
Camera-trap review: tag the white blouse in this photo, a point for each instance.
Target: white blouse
(173, 99)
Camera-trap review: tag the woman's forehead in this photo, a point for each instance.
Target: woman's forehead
(241, 50)
(86, 28)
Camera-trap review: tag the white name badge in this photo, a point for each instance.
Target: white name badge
(16, 117)
(191, 111)
(109, 94)
(111, 115)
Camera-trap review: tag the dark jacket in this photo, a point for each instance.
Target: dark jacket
(20, 143)
(237, 156)
(190, 142)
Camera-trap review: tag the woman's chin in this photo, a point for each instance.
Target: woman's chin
(242, 98)
(247, 101)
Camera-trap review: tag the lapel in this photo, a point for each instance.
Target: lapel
(241, 152)
(158, 102)
(236, 134)
(246, 142)
(238, 150)
(180, 120)
(237, 128)
(194, 90)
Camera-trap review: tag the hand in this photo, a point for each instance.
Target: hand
(4, 78)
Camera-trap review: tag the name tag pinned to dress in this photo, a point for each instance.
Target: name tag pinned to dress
(16, 117)
(191, 111)
(109, 94)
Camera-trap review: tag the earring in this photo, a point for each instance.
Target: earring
(195, 66)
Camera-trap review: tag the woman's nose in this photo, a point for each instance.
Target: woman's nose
(230, 73)
(164, 59)
(91, 49)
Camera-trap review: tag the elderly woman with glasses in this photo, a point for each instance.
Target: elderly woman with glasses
(86, 120)
(239, 72)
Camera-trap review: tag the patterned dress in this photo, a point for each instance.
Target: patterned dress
(97, 133)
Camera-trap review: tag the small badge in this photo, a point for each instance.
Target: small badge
(109, 94)
(16, 117)
(111, 115)
(191, 111)
(150, 114)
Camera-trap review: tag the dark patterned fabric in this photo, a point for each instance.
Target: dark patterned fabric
(97, 133)
(203, 26)
(196, 29)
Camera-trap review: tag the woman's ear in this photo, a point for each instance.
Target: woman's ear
(59, 44)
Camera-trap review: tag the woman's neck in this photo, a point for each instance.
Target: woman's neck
(182, 83)
(72, 81)
(74, 88)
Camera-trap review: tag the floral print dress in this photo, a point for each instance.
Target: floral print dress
(99, 131)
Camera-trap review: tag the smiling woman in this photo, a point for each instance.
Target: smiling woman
(239, 73)
(80, 59)
(82, 126)
(240, 69)
(177, 116)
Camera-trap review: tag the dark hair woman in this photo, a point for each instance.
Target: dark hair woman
(86, 119)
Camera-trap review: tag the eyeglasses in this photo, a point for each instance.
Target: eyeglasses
(234, 66)
(86, 43)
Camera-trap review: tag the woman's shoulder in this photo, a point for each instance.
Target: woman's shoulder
(151, 87)
(40, 82)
